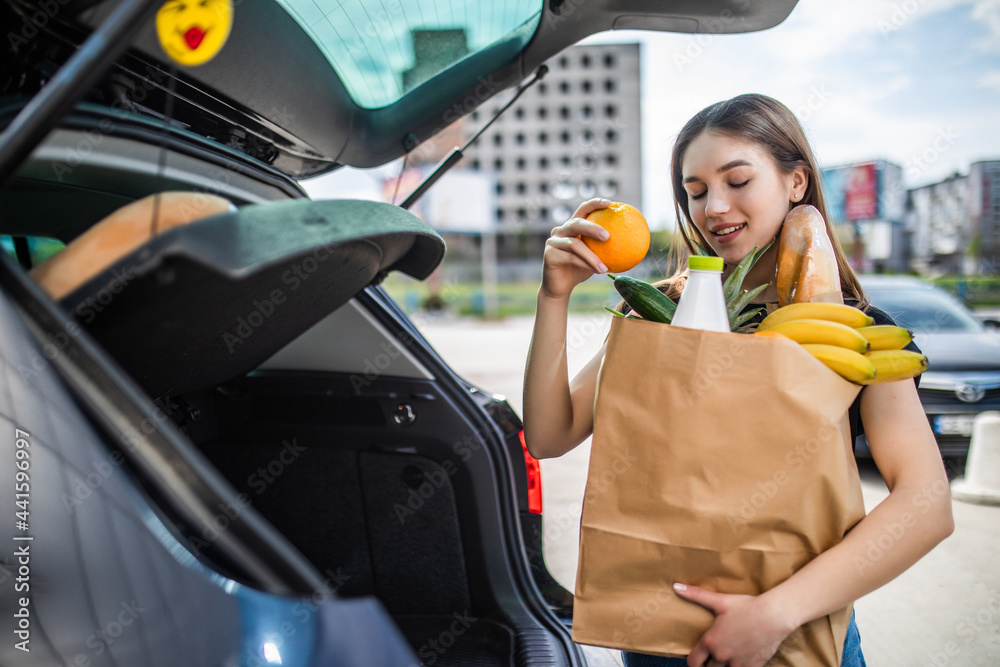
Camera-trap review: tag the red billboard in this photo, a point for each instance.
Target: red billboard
(861, 193)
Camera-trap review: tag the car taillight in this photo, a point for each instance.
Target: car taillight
(534, 478)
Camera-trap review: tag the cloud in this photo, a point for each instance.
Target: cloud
(990, 80)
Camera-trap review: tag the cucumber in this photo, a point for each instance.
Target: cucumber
(645, 299)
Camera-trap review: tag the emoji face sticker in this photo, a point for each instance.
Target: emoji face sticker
(193, 31)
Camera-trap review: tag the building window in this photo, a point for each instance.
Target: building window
(566, 160)
(611, 136)
(543, 138)
(564, 137)
(543, 112)
(475, 165)
(585, 61)
(587, 189)
(497, 139)
(499, 188)
(519, 138)
(611, 160)
(519, 113)
(609, 60)
(500, 213)
(521, 188)
(522, 214)
(543, 213)
(585, 86)
(609, 85)
(587, 162)
(610, 111)
(563, 190)
(543, 88)
(564, 62)
(587, 137)
(543, 163)
(498, 164)
(610, 189)
(564, 113)
(543, 187)
(564, 87)
(475, 115)
(521, 163)
(586, 114)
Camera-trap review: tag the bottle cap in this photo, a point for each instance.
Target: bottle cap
(702, 263)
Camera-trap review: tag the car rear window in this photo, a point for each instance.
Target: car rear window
(383, 50)
(39, 248)
(924, 311)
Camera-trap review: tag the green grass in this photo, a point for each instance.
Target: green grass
(465, 298)
(979, 290)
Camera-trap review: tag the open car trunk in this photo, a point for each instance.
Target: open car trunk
(347, 433)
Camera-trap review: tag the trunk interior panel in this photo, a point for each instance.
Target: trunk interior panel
(380, 509)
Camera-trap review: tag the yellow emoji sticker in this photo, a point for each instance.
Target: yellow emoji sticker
(193, 31)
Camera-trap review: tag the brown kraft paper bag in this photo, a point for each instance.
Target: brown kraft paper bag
(720, 460)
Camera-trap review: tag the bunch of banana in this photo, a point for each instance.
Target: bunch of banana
(845, 339)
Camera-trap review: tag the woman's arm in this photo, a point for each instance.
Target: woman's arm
(915, 516)
(558, 415)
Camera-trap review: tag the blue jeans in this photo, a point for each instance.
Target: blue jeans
(852, 653)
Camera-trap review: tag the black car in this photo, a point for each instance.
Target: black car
(963, 356)
(228, 445)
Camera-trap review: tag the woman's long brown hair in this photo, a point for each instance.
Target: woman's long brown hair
(768, 123)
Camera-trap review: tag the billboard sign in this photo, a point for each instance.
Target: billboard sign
(861, 193)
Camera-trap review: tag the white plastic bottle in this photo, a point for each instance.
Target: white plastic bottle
(702, 304)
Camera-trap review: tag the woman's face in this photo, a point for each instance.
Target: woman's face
(736, 195)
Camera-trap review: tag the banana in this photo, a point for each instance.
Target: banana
(770, 334)
(823, 332)
(884, 337)
(850, 365)
(896, 365)
(833, 312)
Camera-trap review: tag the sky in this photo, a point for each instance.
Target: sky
(914, 82)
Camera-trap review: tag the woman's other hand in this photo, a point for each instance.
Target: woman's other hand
(567, 261)
(745, 633)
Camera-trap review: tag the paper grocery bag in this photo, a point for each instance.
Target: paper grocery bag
(721, 460)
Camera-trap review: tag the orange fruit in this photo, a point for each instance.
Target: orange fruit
(767, 333)
(628, 240)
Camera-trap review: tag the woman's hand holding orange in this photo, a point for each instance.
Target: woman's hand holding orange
(567, 261)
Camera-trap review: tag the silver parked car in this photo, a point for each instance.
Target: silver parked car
(963, 354)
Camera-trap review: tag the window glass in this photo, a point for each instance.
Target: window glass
(382, 50)
(40, 248)
(923, 311)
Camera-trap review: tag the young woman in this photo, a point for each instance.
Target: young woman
(738, 168)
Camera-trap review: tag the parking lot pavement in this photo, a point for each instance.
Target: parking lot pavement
(945, 610)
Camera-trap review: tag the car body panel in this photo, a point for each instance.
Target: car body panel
(294, 101)
(963, 356)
